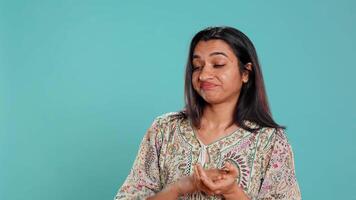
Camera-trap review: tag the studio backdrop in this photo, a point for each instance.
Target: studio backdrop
(81, 81)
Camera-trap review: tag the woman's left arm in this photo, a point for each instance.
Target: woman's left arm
(280, 180)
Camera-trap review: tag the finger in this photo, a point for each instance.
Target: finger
(217, 192)
(198, 179)
(203, 179)
(212, 173)
(201, 171)
(199, 184)
(205, 189)
(195, 176)
(217, 178)
(196, 170)
(209, 183)
(232, 169)
(203, 175)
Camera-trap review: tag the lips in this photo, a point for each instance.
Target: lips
(207, 85)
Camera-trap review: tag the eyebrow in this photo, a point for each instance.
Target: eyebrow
(213, 54)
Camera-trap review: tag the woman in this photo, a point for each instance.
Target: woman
(224, 144)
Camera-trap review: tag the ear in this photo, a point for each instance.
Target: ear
(246, 72)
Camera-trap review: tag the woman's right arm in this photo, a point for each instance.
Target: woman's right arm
(185, 185)
(144, 178)
(169, 193)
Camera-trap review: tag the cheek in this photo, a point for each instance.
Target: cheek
(225, 77)
(195, 80)
(228, 78)
(231, 79)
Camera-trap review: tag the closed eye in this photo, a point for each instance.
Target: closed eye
(196, 68)
(217, 66)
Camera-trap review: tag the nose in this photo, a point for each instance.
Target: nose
(205, 74)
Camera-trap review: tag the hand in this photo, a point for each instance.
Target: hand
(191, 184)
(213, 174)
(225, 184)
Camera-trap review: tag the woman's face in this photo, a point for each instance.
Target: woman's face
(216, 76)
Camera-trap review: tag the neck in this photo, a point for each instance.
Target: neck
(218, 115)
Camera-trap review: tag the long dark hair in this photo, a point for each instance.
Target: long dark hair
(252, 104)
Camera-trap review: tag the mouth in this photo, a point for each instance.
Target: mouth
(207, 86)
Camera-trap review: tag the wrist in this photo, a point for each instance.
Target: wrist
(174, 190)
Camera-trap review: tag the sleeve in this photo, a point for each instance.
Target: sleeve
(280, 179)
(144, 178)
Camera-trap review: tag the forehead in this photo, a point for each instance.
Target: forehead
(204, 48)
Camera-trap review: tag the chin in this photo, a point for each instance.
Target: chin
(213, 100)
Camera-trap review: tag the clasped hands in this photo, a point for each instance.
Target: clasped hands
(210, 181)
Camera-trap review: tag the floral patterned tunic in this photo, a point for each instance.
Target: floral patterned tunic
(170, 148)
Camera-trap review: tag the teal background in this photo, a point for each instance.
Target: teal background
(81, 81)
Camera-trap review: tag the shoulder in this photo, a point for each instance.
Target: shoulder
(269, 137)
(168, 120)
(160, 125)
(278, 132)
(163, 125)
(281, 144)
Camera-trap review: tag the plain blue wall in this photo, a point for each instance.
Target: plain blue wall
(81, 81)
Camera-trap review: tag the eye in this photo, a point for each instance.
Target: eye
(195, 68)
(218, 66)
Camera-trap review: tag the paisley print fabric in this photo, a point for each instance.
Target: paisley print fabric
(170, 148)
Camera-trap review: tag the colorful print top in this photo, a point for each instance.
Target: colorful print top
(170, 148)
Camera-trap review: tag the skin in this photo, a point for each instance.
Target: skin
(217, 79)
(215, 62)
